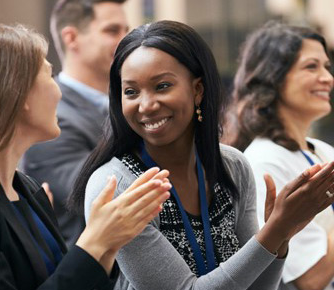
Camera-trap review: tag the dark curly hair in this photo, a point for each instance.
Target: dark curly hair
(266, 58)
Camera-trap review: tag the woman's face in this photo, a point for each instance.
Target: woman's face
(159, 95)
(307, 87)
(38, 118)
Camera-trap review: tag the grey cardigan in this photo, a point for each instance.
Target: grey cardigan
(150, 262)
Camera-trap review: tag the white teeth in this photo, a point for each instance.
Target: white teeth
(156, 125)
(321, 93)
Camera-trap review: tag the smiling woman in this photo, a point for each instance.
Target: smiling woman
(282, 86)
(307, 86)
(165, 99)
(33, 254)
(157, 95)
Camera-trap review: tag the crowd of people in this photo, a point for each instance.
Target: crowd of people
(143, 193)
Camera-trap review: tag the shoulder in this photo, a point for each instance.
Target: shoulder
(265, 151)
(239, 169)
(70, 102)
(112, 167)
(264, 148)
(318, 144)
(235, 161)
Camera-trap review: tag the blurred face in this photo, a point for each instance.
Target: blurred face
(38, 119)
(307, 87)
(98, 41)
(159, 96)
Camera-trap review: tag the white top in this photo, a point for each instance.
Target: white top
(308, 246)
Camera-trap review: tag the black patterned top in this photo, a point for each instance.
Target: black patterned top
(221, 216)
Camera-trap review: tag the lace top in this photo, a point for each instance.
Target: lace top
(221, 216)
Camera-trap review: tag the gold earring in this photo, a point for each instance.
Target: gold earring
(199, 113)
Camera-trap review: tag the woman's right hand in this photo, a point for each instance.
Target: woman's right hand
(296, 205)
(113, 223)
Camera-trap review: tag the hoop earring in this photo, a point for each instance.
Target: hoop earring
(199, 113)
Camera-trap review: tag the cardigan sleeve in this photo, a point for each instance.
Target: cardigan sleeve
(150, 262)
(246, 221)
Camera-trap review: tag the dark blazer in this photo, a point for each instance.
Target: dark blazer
(59, 161)
(21, 265)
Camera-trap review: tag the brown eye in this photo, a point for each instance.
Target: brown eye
(130, 92)
(163, 86)
(312, 66)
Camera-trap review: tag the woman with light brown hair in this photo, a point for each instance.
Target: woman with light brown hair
(32, 251)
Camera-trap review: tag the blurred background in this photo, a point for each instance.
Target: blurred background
(223, 24)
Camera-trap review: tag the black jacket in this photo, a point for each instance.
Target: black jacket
(21, 265)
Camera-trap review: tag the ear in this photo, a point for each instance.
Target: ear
(198, 90)
(69, 36)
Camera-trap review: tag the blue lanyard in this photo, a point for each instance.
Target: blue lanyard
(308, 158)
(50, 266)
(209, 249)
(311, 163)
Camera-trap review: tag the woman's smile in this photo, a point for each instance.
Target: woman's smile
(159, 96)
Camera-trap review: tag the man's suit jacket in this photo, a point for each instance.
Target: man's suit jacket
(59, 161)
(21, 264)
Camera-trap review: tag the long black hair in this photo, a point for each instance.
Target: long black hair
(267, 57)
(183, 43)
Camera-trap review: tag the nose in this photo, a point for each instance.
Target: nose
(326, 76)
(148, 104)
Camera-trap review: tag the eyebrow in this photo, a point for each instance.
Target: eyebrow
(116, 26)
(154, 78)
(315, 59)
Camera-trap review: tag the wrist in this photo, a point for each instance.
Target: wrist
(107, 261)
(91, 246)
(273, 238)
(283, 250)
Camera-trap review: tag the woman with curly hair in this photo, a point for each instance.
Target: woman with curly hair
(283, 84)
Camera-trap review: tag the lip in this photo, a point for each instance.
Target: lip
(323, 94)
(155, 124)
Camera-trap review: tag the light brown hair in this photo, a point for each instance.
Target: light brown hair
(22, 51)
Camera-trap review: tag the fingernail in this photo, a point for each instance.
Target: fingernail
(167, 186)
(157, 182)
(110, 179)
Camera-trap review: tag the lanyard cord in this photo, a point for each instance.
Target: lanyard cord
(308, 158)
(209, 248)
